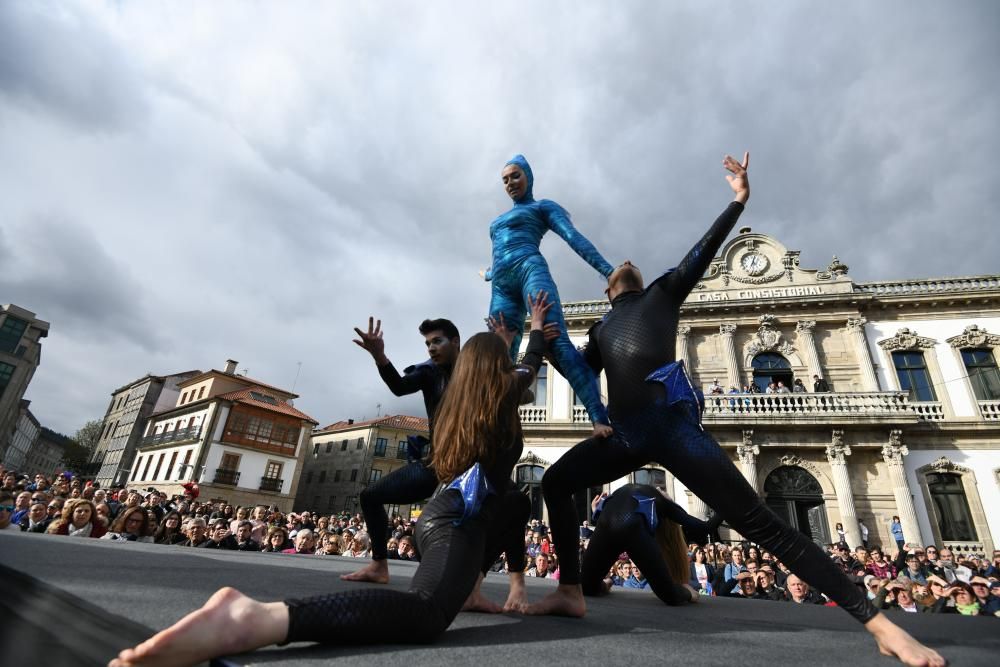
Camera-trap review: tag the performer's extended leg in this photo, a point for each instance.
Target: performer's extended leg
(410, 484)
(506, 535)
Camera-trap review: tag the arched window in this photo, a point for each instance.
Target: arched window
(529, 481)
(770, 367)
(981, 366)
(954, 518)
(911, 369)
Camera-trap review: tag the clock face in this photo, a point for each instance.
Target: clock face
(754, 263)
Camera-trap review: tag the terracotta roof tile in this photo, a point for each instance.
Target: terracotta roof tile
(246, 396)
(391, 421)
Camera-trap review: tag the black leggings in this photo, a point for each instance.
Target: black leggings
(621, 528)
(507, 532)
(672, 437)
(412, 483)
(449, 567)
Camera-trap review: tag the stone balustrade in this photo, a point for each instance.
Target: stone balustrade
(973, 283)
(533, 414)
(928, 410)
(990, 410)
(868, 404)
(580, 415)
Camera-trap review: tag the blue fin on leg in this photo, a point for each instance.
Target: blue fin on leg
(678, 386)
(647, 508)
(474, 488)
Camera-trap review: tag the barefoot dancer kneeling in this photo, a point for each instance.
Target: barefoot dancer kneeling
(477, 442)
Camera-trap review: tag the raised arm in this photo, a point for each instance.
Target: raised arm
(558, 221)
(372, 342)
(682, 280)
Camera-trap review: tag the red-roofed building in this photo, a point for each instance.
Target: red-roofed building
(347, 455)
(242, 440)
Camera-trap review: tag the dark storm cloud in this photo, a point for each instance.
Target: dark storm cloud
(58, 60)
(62, 272)
(284, 177)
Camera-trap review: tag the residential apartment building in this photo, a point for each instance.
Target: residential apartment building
(347, 456)
(21, 334)
(23, 440)
(242, 440)
(124, 422)
(910, 428)
(46, 456)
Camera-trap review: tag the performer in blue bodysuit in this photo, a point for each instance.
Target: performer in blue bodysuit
(519, 269)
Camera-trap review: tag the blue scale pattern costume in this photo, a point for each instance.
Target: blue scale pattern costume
(654, 412)
(519, 270)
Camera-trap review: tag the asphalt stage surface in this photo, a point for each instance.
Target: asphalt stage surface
(54, 616)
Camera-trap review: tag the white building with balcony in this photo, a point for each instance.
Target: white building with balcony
(242, 440)
(910, 428)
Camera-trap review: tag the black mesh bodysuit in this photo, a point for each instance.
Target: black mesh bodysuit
(620, 527)
(414, 482)
(451, 560)
(636, 338)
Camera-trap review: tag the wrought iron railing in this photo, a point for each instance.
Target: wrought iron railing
(189, 433)
(271, 484)
(226, 476)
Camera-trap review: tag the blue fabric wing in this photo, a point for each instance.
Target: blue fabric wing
(647, 508)
(416, 445)
(679, 389)
(474, 488)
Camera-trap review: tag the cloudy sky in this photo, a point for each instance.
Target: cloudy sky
(186, 182)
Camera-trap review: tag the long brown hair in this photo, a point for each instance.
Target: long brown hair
(670, 539)
(479, 409)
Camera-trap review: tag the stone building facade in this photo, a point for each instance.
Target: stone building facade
(125, 422)
(21, 334)
(348, 455)
(909, 428)
(23, 440)
(242, 440)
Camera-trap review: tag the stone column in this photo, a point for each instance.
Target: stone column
(696, 506)
(748, 453)
(683, 332)
(856, 330)
(893, 453)
(836, 453)
(729, 348)
(807, 343)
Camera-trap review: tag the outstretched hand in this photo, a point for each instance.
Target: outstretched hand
(499, 327)
(539, 306)
(737, 177)
(372, 341)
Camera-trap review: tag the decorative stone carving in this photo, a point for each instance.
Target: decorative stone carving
(905, 339)
(805, 326)
(856, 324)
(943, 464)
(683, 329)
(768, 338)
(798, 461)
(836, 451)
(747, 452)
(973, 336)
(727, 329)
(837, 267)
(533, 459)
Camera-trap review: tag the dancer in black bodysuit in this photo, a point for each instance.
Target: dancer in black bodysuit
(414, 482)
(637, 518)
(654, 413)
(477, 444)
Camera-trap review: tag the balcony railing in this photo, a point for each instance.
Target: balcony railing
(990, 410)
(189, 433)
(534, 414)
(883, 405)
(976, 549)
(226, 476)
(271, 484)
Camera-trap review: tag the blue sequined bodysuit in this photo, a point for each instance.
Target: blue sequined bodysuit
(519, 269)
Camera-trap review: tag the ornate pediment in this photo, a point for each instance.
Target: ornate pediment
(905, 339)
(973, 336)
(768, 339)
(533, 459)
(799, 462)
(943, 464)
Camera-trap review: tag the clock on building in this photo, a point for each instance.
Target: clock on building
(754, 263)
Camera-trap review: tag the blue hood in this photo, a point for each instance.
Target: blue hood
(521, 162)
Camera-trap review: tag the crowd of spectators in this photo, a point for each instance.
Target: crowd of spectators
(907, 579)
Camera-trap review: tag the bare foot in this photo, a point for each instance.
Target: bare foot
(376, 572)
(566, 600)
(480, 603)
(692, 592)
(892, 640)
(517, 599)
(228, 623)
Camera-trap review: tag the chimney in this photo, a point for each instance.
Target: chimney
(231, 367)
